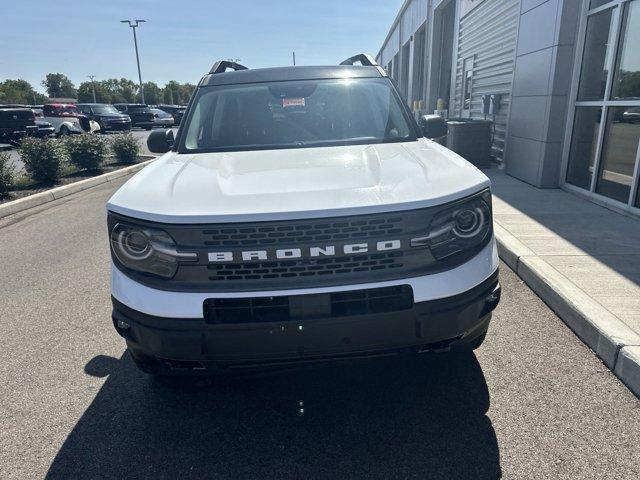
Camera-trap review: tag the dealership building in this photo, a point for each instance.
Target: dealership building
(558, 79)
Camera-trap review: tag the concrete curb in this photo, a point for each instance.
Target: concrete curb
(609, 337)
(41, 198)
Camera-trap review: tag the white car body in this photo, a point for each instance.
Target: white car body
(321, 182)
(72, 124)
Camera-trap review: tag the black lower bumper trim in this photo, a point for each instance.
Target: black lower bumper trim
(431, 325)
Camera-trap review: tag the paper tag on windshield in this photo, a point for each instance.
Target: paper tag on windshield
(293, 102)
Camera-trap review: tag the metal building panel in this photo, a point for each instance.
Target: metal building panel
(488, 35)
(392, 46)
(412, 18)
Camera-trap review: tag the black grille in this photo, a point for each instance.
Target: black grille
(312, 232)
(305, 269)
(308, 307)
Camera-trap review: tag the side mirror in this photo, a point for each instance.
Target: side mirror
(160, 141)
(433, 126)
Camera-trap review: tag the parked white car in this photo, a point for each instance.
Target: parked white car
(67, 119)
(300, 214)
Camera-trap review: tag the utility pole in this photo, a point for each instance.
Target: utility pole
(294, 59)
(93, 87)
(135, 43)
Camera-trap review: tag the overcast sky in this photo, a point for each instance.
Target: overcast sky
(182, 39)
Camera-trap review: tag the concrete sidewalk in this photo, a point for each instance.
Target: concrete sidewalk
(582, 259)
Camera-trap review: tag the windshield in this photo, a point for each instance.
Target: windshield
(294, 114)
(62, 110)
(105, 110)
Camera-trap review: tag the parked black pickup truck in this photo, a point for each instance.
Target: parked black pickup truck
(15, 123)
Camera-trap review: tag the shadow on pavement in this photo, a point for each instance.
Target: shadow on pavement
(401, 417)
(583, 227)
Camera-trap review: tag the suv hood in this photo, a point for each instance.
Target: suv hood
(286, 184)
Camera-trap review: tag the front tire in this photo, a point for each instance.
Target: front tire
(63, 131)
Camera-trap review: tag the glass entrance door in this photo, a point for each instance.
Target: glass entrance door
(604, 152)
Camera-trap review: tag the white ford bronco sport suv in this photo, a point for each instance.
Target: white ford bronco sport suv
(300, 215)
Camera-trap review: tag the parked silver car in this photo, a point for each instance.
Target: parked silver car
(161, 118)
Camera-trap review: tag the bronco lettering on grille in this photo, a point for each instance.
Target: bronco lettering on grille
(306, 252)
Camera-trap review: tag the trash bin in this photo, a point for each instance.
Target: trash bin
(471, 139)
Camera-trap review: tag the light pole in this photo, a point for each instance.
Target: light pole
(134, 24)
(93, 87)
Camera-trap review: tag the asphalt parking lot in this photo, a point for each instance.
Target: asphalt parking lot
(14, 156)
(533, 402)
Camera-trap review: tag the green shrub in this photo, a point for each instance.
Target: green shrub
(6, 174)
(43, 158)
(86, 151)
(125, 147)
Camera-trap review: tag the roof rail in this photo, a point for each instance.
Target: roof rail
(222, 66)
(364, 59)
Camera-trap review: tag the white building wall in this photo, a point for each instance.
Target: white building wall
(391, 47)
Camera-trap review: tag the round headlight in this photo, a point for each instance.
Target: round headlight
(461, 228)
(134, 244)
(143, 249)
(468, 222)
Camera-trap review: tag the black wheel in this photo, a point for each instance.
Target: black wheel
(63, 131)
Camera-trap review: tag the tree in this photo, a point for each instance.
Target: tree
(85, 93)
(128, 90)
(177, 93)
(629, 84)
(19, 91)
(152, 94)
(186, 90)
(58, 85)
(111, 88)
(115, 90)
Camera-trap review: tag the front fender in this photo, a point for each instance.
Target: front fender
(72, 126)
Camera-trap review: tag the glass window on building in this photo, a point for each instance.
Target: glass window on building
(584, 141)
(619, 153)
(626, 82)
(598, 3)
(605, 138)
(598, 49)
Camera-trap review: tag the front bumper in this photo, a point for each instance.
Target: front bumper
(116, 126)
(197, 343)
(16, 133)
(45, 132)
(142, 123)
(163, 123)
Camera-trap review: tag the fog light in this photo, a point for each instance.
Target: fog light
(122, 325)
